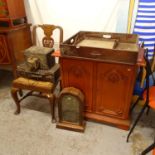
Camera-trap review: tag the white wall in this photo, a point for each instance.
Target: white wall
(73, 16)
(134, 15)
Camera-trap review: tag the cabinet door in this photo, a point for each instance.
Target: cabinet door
(4, 52)
(114, 87)
(79, 74)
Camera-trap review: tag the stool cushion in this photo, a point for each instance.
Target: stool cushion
(34, 85)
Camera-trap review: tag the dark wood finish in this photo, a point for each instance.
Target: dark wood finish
(92, 45)
(13, 41)
(106, 76)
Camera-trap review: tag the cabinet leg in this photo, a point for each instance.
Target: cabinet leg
(14, 95)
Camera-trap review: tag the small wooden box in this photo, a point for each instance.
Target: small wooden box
(50, 75)
(43, 54)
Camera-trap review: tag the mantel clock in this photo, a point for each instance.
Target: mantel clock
(70, 108)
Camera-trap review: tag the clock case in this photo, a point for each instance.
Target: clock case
(67, 110)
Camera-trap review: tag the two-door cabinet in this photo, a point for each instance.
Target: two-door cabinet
(106, 74)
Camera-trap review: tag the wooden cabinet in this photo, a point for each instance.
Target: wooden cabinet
(13, 41)
(102, 65)
(107, 88)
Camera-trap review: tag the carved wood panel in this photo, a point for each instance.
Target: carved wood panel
(114, 82)
(4, 53)
(78, 74)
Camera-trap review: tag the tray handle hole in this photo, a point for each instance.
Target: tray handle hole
(72, 41)
(106, 36)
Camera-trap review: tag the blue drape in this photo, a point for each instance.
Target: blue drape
(145, 24)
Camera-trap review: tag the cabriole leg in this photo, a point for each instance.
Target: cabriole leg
(14, 95)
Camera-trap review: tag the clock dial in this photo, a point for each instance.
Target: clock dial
(70, 108)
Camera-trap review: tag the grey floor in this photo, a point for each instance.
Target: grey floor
(32, 133)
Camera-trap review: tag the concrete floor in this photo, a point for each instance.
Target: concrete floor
(32, 132)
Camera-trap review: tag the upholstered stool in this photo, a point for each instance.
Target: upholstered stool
(44, 89)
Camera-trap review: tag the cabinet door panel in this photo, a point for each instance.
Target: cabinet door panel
(78, 74)
(4, 52)
(114, 88)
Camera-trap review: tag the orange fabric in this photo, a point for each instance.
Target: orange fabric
(56, 53)
(151, 97)
(153, 153)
